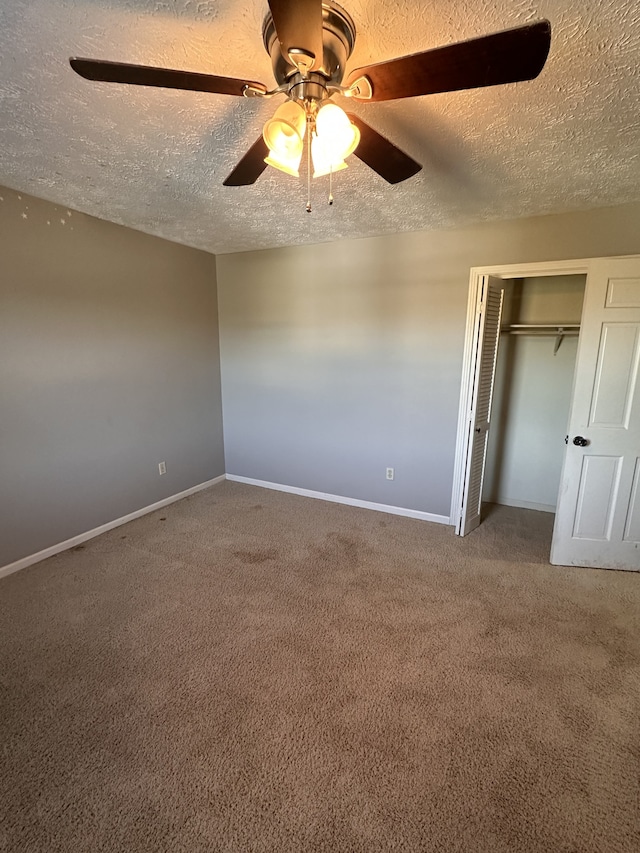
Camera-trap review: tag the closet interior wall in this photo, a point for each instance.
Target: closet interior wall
(532, 393)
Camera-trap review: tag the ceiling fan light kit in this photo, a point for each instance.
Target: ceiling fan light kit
(309, 43)
(333, 137)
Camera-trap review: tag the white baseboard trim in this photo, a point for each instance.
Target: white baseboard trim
(339, 499)
(91, 534)
(524, 504)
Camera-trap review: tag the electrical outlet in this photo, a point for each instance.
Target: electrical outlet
(389, 473)
(162, 468)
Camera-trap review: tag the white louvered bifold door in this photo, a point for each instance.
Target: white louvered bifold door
(487, 336)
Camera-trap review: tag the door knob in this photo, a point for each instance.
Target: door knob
(579, 441)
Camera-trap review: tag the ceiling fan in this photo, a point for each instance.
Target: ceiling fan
(309, 42)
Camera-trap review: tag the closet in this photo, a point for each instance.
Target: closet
(532, 390)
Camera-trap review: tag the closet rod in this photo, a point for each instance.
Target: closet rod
(541, 333)
(550, 327)
(556, 330)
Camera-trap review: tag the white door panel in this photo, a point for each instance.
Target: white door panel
(598, 514)
(597, 494)
(632, 527)
(623, 293)
(617, 361)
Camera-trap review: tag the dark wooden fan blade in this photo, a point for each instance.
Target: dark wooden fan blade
(298, 24)
(506, 57)
(144, 75)
(250, 167)
(383, 156)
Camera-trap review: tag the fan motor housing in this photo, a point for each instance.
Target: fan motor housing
(338, 39)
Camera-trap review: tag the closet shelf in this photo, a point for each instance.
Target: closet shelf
(557, 330)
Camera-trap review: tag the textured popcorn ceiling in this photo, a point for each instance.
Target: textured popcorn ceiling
(155, 159)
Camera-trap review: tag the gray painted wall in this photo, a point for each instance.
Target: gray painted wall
(109, 364)
(341, 359)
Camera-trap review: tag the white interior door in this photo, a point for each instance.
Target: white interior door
(598, 513)
(487, 336)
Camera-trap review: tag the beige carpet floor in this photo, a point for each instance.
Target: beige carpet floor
(253, 671)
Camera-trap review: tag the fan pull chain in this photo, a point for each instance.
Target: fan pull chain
(309, 169)
(331, 185)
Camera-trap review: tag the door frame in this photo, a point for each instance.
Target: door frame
(505, 271)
